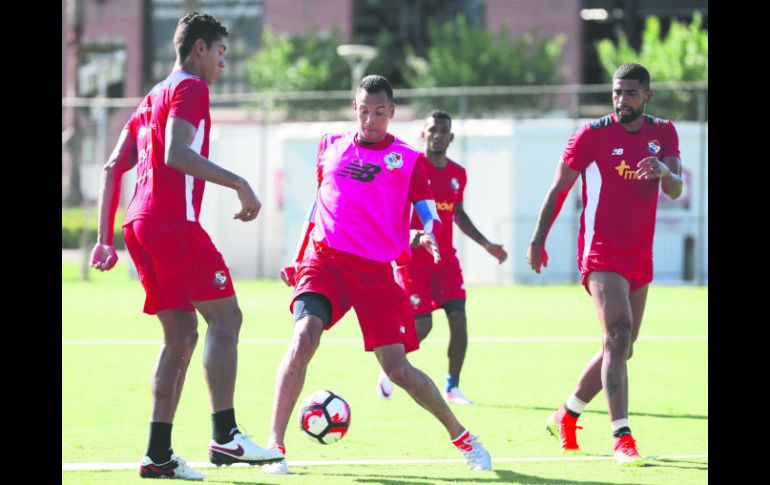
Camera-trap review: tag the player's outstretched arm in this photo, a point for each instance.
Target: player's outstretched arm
(463, 221)
(554, 200)
(179, 135)
(122, 159)
(668, 170)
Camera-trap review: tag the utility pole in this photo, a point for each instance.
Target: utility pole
(71, 193)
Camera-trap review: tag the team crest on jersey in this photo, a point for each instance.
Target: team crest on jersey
(455, 184)
(394, 160)
(415, 300)
(653, 146)
(220, 278)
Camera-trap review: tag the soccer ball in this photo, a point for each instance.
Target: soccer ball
(324, 417)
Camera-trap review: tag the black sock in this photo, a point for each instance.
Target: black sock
(159, 445)
(621, 431)
(223, 426)
(571, 412)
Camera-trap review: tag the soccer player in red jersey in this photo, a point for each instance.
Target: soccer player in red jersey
(432, 285)
(167, 138)
(623, 159)
(358, 224)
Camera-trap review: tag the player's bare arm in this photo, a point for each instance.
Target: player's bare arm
(668, 170)
(179, 135)
(122, 159)
(463, 221)
(554, 200)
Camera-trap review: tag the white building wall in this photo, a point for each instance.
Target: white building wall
(510, 166)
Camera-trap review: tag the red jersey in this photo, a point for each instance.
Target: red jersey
(162, 191)
(618, 215)
(448, 185)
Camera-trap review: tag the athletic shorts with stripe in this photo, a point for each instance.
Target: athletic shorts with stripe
(177, 264)
(367, 286)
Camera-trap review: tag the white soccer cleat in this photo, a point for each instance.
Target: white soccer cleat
(474, 452)
(456, 396)
(174, 468)
(384, 386)
(280, 468)
(242, 450)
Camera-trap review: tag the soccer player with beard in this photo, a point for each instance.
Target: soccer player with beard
(433, 285)
(623, 159)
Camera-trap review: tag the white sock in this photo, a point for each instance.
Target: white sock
(575, 405)
(620, 423)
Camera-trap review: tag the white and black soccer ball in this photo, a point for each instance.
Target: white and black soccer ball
(324, 417)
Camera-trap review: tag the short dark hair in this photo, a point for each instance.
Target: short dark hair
(440, 115)
(194, 26)
(374, 83)
(632, 70)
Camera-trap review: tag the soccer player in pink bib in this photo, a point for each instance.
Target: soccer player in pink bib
(431, 285)
(623, 160)
(167, 139)
(358, 224)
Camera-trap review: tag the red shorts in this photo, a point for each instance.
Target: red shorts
(429, 288)
(638, 271)
(177, 264)
(367, 286)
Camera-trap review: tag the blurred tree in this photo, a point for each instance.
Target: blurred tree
(681, 56)
(299, 63)
(463, 55)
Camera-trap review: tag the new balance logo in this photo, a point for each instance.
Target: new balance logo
(362, 173)
(617, 151)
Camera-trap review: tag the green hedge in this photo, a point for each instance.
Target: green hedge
(73, 220)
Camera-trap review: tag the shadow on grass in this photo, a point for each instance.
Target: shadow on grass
(496, 476)
(552, 409)
(674, 463)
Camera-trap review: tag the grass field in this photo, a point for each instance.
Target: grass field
(109, 348)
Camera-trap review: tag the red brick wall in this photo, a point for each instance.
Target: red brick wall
(119, 20)
(299, 16)
(551, 17)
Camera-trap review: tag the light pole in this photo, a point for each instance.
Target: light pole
(358, 57)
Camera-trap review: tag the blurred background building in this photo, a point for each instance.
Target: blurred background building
(114, 51)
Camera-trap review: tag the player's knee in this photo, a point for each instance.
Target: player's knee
(181, 346)
(398, 372)
(226, 323)
(304, 344)
(192, 341)
(618, 339)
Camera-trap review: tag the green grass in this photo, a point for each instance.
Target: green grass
(106, 395)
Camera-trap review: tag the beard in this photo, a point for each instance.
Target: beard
(633, 116)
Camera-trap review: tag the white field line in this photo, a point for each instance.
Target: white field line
(358, 340)
(425, 461)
